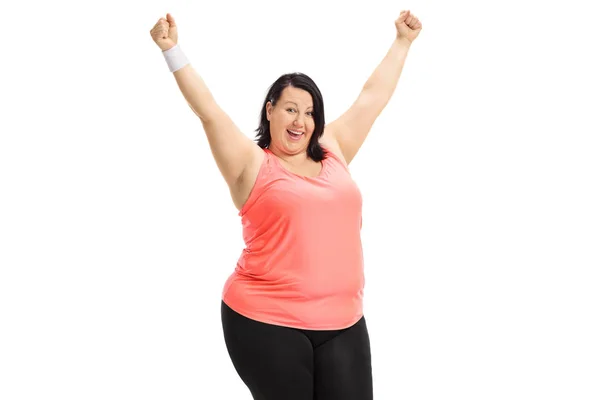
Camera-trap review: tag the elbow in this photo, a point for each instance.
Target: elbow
(206, 112)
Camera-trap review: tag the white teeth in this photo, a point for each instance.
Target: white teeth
(294, 132)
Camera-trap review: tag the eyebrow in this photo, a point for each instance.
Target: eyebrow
(295, 104)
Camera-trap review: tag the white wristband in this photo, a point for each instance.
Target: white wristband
(175, 58)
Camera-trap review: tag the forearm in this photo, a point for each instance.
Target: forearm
(384, 79)
(196, 92)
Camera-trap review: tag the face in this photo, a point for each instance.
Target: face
(291, 121)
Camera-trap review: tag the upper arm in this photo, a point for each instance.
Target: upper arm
(351, 129)
(232, 150)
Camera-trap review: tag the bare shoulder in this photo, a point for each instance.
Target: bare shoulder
(330, 143)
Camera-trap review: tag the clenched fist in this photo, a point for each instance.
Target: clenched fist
(164, 33)
(408, 26)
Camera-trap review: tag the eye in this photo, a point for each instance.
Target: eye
(291, 109)
(310, 113)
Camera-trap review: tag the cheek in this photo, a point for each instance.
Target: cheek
(281, 121)
(275, 123)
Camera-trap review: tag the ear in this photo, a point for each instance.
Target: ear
(269, 110)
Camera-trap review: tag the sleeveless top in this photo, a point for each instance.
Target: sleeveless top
(302, 266)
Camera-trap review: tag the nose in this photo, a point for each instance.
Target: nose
(299, 121)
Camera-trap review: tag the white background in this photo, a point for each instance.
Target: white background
(480, 182)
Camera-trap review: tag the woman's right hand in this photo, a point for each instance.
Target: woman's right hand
(164, 33)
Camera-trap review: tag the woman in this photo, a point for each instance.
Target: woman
(292, 310)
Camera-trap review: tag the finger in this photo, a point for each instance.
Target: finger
(402, 16)
(170, 19)
(160, 30)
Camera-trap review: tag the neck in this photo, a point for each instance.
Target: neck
(292, 159)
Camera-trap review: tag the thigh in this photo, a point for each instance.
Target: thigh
(343, 366)
(275, 362)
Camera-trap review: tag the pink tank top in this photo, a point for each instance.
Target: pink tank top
(302, 266)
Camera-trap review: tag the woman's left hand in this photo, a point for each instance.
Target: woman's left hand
(408, 26)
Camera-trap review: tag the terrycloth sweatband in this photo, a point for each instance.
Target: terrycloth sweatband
(175, 58)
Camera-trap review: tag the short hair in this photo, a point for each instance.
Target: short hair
(301, 81)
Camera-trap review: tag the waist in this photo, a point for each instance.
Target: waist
(291, 309)
(316, 300)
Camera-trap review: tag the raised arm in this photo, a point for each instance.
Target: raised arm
(351, 129)
(231, 149)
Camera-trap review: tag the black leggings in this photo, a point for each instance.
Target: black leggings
(281, 363)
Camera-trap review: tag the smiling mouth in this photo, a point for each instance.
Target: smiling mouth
(295, 135)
